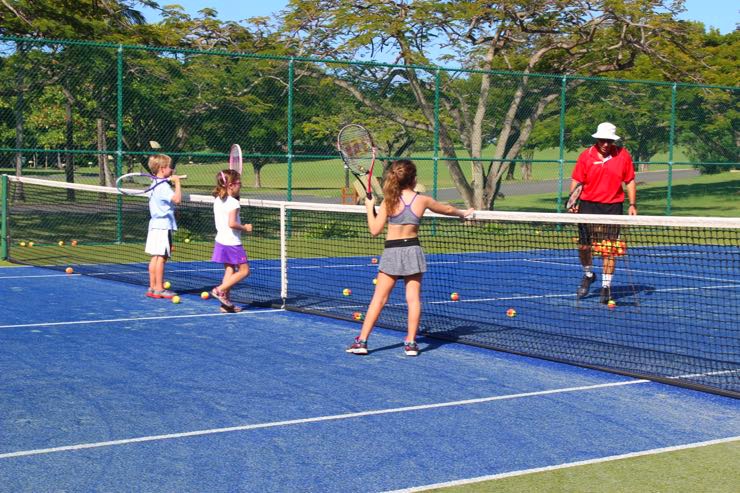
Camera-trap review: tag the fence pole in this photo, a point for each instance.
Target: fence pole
(4, 217)
(290, 129)
(561, 160)
(436, 134)
(671, 143)
(119, 140)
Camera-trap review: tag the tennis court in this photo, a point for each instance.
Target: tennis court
(107, 390)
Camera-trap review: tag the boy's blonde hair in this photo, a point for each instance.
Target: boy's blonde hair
(158, 161)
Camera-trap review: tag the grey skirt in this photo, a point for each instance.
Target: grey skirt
(403, 258)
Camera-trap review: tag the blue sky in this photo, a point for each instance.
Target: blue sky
(722, 14)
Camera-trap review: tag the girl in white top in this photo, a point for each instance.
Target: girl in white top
(228, 248)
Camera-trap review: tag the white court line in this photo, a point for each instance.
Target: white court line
(318, 419)
(566, 465)
(114, 320)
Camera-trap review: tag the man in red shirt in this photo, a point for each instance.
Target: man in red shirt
(601, 170)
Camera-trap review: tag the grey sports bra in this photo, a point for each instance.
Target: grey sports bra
(406, 216)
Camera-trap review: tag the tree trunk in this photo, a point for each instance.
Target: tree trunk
(105, 174)
(69, 170)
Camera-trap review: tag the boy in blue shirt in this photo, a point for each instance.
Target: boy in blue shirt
(162, 201)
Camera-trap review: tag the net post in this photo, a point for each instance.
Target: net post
(4, 217)
(283, 256)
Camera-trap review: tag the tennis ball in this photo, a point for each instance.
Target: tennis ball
(454, 296)
(69, 270)
(357, 315)
(176, 299)
(374, 260)
(61, 243)
(346, 291)
(375, 280)
(30, 243)
(74, 243)
(611, 304)
(187, 240)
(205, 295)
(167, 285)
(511, 312)
(22, 243)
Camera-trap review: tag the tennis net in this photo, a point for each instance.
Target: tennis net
(676, 285)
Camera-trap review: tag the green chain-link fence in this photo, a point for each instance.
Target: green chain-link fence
(86, 112)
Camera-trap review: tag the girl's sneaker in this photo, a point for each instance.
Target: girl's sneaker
(358, 347)
(165, 293)
(222, 297)
(152, 294)
(411, 348)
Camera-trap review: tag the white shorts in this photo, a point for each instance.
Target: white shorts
(159, 242)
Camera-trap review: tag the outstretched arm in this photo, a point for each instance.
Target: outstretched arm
(447, 209)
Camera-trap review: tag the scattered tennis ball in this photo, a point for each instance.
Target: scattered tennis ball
(611, 304)
(373, 260)
(22, 243)
(357, 315)
(167, 285)
(511, 312)
(61, 243)
(205, 295)
(187, 240)
(346, 291)
(69, 270)
(176, 299)
(375, 280)
(74, 243)
(30, 243)
(454, 296)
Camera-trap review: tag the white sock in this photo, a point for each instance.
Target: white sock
(606, 281)
(587, 269)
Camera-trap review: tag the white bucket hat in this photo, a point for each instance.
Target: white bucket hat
(606, 130)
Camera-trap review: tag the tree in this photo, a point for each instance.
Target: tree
(576, 37)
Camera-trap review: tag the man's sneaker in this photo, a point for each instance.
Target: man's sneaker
(358, 347)
(222, 297)
(606, 295)
(152, 294)
(586, 283)
(165, 293)
(411, 348)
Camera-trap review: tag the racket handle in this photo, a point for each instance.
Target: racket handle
(183, 177)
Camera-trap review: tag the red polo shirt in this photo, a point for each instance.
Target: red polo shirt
(602, 178)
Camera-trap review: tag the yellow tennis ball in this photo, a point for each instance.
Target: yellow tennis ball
(22, 243)
(74, 243)
(454, 296)
(176, 299)
(69, 270)
(187, 240)
(375, 280)
(511, 312)
(346, 291)
(611, 304)
(61, 243)
(167, 285)
(357, 315)
(30, 243)
(205, 295)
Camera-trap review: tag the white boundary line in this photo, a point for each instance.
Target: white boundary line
(568, 465)
(318, 419)
(114, 320)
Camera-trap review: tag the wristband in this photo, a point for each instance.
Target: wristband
(633, 205)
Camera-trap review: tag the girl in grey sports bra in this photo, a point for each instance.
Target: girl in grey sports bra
(406, 216)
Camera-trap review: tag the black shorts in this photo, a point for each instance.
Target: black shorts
(588, 234)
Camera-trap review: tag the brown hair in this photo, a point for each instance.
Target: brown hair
(399, 176)
(223, 180)
(158, 161)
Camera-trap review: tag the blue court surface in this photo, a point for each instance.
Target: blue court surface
(104, 389)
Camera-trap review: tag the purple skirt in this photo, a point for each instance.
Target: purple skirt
(229, 254)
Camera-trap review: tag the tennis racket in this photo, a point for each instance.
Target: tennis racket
(140, 183)
(357, 149)
(573, 200)
(235, 158)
